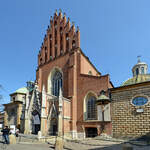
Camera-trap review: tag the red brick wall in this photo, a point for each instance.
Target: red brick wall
(86, 83)
(75, 84)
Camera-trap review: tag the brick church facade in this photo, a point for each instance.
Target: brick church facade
(62, 64)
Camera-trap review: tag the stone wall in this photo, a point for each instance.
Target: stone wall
(125, 120)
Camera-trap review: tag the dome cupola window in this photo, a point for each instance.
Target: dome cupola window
(137, 71)
(140, 68)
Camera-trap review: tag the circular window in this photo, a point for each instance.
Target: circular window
(139, 101)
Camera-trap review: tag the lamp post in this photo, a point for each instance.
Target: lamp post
(30, 85)
(102, 100)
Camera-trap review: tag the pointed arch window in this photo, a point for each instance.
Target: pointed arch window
(45, 54)
(91, 108)
(41, 61)
(73, 44)
(67, 41)
(56, 83)
(55, 51)
(55, 24)
(61, 30)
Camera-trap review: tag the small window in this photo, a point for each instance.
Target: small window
(61, 38)
(46, 57)
(139, 101)
(142, 70)
(13, 111)
(61, 49)
(41, 60)
(61, 30)
(55, 24)
(55, 51)
(67, 36)
(90, 73)
(50, 44)
(50, 36)
(55, 34)
(137, 71)
(45, 54)
(55, 41)
(13, 98)
(67, 45)
(50, 52)
(73, 44)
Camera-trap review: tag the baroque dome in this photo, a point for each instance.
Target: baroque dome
(22, 90)
(140, 74)
(137, 79)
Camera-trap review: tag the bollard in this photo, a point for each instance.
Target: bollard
(127, 147)
(59, 143)
(39, 134)
(12, 139)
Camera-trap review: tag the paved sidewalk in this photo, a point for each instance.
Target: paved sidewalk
(71, 145)
(100, 145)
(86, 144)
(25, 147)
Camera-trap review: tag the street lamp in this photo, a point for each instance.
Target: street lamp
(102, 100)
(30, 85)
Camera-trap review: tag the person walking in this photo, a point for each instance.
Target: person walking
(17, 132)
(6, 132)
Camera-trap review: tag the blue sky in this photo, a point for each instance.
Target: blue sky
(113, 34)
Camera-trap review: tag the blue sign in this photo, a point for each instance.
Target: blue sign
(139, 101)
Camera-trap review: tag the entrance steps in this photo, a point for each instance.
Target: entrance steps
(48, 139)
(24, 138)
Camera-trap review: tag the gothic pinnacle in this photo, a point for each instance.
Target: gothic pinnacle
(78, 29)
(51, 18)
(60, 11)
(56, 12)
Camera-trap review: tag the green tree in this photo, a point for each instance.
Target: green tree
(1, 98)
(1, 87)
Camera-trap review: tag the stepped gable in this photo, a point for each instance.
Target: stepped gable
(61, 37)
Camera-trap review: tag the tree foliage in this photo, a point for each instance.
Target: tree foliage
(1, 87)
(1, 98)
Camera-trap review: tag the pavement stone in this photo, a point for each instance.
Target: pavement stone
(86, 144)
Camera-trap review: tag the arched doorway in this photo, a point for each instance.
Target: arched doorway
(53, 126)
(53, 121)
(36, 125)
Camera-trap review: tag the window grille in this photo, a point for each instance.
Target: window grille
(142, 70)
(57, 83)
(91, 108)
